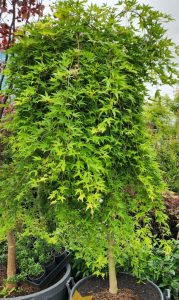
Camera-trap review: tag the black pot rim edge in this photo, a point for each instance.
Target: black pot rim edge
(88, 277)
(64, 278)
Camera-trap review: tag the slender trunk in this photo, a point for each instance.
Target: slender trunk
(112, 266)
(11, 260)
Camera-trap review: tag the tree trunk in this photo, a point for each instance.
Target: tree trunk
(11, 260)
(111, 265)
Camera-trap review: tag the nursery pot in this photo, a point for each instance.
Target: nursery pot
(60, 256)
(37, 279)
(51, 265)
(92, 284)
(57, 291)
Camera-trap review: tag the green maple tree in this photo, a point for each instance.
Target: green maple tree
(78, 134)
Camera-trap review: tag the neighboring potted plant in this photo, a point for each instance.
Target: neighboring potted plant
(37, 274)
(32, 255)
(55, 291)
(78, 127)
(163, 268)
(41, 283)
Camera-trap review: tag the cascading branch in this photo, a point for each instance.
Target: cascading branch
(78, 136)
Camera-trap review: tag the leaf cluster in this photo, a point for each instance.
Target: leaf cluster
(163, 268)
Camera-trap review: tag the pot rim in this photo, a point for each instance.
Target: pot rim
(88, 277)
(36, 277)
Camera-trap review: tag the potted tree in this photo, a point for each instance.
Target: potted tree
(78, 127)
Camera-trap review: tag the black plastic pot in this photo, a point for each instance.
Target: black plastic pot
(59, 257)
(50, 266)
(38, 279)
(86, 286)
(58, 291)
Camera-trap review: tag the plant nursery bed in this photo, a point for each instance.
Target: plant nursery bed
(24, 288)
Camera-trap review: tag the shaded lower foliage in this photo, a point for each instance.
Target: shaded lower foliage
(171, 201)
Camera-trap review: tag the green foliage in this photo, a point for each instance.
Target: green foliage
(163, 268)
(30, 268)
(3, 253)
(78, 140)
(162, 118)
(32, 254)
(79, 268)
(4, 293)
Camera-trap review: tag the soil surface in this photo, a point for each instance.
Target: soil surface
(124, 294)
(96, 285)
(24, 288)
(2, 275)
